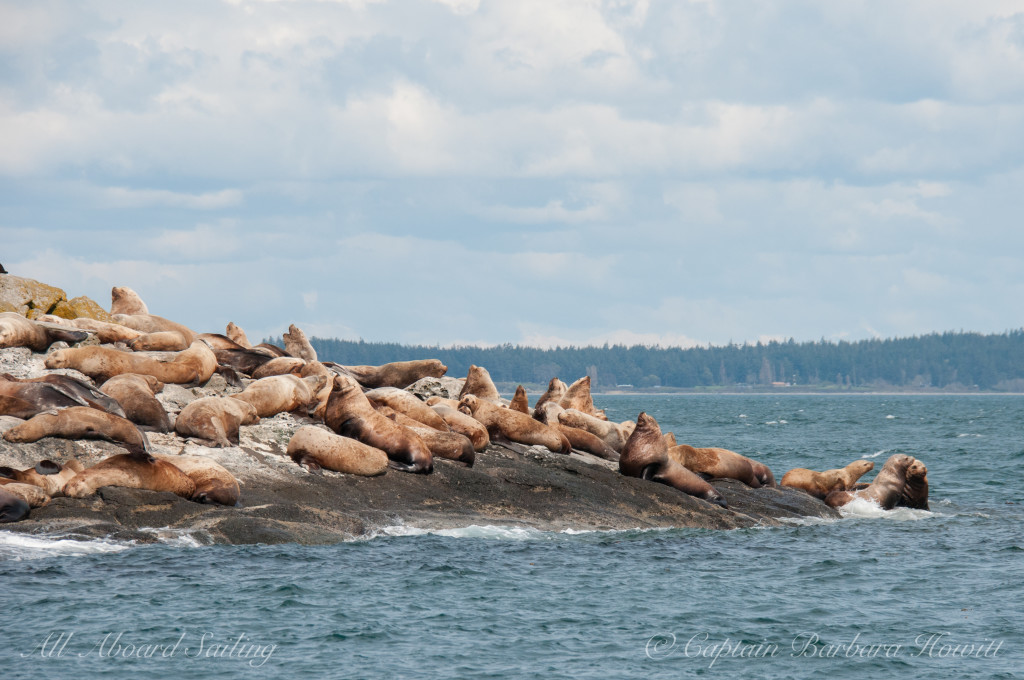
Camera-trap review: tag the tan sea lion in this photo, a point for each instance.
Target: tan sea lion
(214, 421)
(313, 448)
(645, 455)
(296, 344)
(194, 365)
(30, 493)
(13, 508)
(548, 412)
(124, 300)
(556, 390)
(578, 397)
(132, 473)
(670, 439)
(82, 422)
(279, 366)
(762, 472)
(161, 341)
(281, 394)
(16, 407)
(821, 484)
(151, 323)
(104, 331)
(214, 484)
(465, 425)
(715, 463)
(581, 440)
(520, 402)
(17, 331)
(479, 383)
(47, 475)
(915, 491)
(234, 332)
(449, 445)
(435, 400)
(350, 414)
(613, 434)
(886, 489)
(396, 374)
(513, 425)
(323, 393)
(409, 404)
(136, 394)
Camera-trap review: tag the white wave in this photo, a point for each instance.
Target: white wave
(808, 521)
(16, 547)
(504, 533)
(890, 417)
(866, 509)
(965, 434)
(876, 454)
(178, 538)
(743, 415)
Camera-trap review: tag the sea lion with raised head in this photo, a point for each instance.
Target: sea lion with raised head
(397, 373)
(320, 395)
(670, 439)
(449, 445)
(886, 489)
(645, 455)
(13, 508)
(715, 463)
(350, 414)
(281, 394)
(235, 332)
(214, 484)
(17, 331)
(465, 425)
(513, 425)
(47, 475)
(130, 472)
(136, 394)
(556, 390)
(297, 344)
(578, 397)
(215, 421)
(314, 447)
(915, 491)
(520, 402)
(194, 365)
(821, 484)
(479, 384)
(82, 422)
(124, 300)
(408, 404)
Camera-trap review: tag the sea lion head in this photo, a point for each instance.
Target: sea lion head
(917, 470)
(860, 467)
(469, 404)
(58, 358)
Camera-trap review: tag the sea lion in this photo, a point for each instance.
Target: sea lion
(581, 440)
(136, 394)
(762, 472)
(447, 444)
(465, 425)
(104, 331)
(132, 473)
(279, 366)
(296, 344)
(124, 300)
(479, 383)
(313, 448)
(13, 508)
(272, 350)
(234, 332)
(281, 394)
(30, 493)
(17, 331)
(520, 402)
(613, 434)
(915, 491)
(214, 421)
(350, 414)
(556, 390)
(444, 401)
(151, 323)
(16, 407)
(47, 475)
(886, 489)
(396, 374)
(548, 412)
(161, 341)
(821, 484)
(715, 462)
(217, 341)
(194, 365)
(79, 392)
(242, 360)
(670, 439)
(214, 484)
(578, 397)
(408, 404)
(25, 400)
(82, 422)
(320, 396)
(513, 425)
(645, 455)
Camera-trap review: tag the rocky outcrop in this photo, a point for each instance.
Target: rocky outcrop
(28, 297)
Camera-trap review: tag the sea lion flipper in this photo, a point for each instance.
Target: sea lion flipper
(47, 467)
(8, 472)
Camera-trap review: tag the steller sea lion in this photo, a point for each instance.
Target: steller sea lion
(513, 425)
(645, 455)
(613, 434)
(408, 404)
(479, 383)
(314, 447)
(30, 493)
(670, 439)
(556, 390)
(281, 394)
(151, 323)
(886, 489)
(236, 334)
(80, 393)
(578, 397)
(217, 341)
(915, 491)
(214, 421)
(161, 341)
(214, 484)
(17, 331)
(82, 422)
(13, 508)
(47, 475)
(132, 473)
(16, 407)
(468, 426)
(821, 484)
(297, 345)
(715, 462)
(320, 396)
(520, 402)
(279, 366)
(104, 331)
(581, 440)
(447, 444)
(396, 374)
(242, 360)
(350, 414)
(124, 300)
(136, 394)
(194, 365)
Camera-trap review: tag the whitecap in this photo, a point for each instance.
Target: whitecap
(808, 521)
(863, 508)
(876, 454)
(890, 417)
(178, 538)
(490, 531)
(16, 547)
(964, 434)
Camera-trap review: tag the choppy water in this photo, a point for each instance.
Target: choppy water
(921, 594)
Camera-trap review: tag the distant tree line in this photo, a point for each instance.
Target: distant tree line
(937, 360)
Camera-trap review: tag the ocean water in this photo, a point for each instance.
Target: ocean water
(936, 594)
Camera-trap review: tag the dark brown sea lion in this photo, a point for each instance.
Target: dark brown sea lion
(408, 404)
(82, 422)
(47, 475)
(13, 508)
(520, 402)
(272, 350)
(479, 384)
(645, 455)
(513, 425)
(17, 331)
(242, 360)
(578, 397)
(314, 447)
(130, 472)
(78, 392)
(195, 365)
(465, 425)
(715, 463)
(297, 344)
(886, 489)
(214, 484)
(136, 394)
(396, 374)
(18, 407)
(218, 341)
(821, 484)
(556, 390)
(915, 491)
(214, 421)
(350, 414)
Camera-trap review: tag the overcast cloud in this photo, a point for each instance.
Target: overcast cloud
(529, 172)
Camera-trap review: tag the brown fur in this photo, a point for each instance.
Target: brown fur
(17, 331)
(137, 396)
(548, 412)
(578, 397)
(408, 404)
(886, 489)
(396, 374)
(447, 444)
(124, 300)
(150, 323)
(30, 493)
(465, 425)
(670, 439)
(479, 383)
(279, 366)
(915, 491)
(281, 394)
(715, 462)
(214, 484)
(520, 402)
(322, 393)
(82, 393)
(513, 425)
(13, 508)
(821, 484)
(81, 422)
(104, 331)
(47, 475)
(161, 341)
(613, 434)
(215, 421)
(556, 390)
(296, 344)
(195, 365)
(234, 332)
(314, 448)
(581, 440)
(132, 473)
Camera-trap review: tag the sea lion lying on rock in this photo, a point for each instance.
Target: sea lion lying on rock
(151, 323)
(886, 489)
(821, 484)
(80, 393)
(130, 472)
(313, 448)
(214, 421)
(645, 455)
(47, 475)
(194, 365)
(396, 374)
(30, 493)
(407, 404)
(513, 425)
(17, 331)
(161, 341)
(214, 484)
(465, 425)
(279, 366)
(715, 462)
(104, 331)
(136, 394)
(281, 394)
(82, 422)
(613, 434)
(13, 508)
(447, 444)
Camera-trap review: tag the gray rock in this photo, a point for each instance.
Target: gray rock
(447, 388)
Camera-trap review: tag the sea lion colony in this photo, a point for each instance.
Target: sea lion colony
(362, 420)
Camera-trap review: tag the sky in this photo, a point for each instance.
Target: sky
(532, 172)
